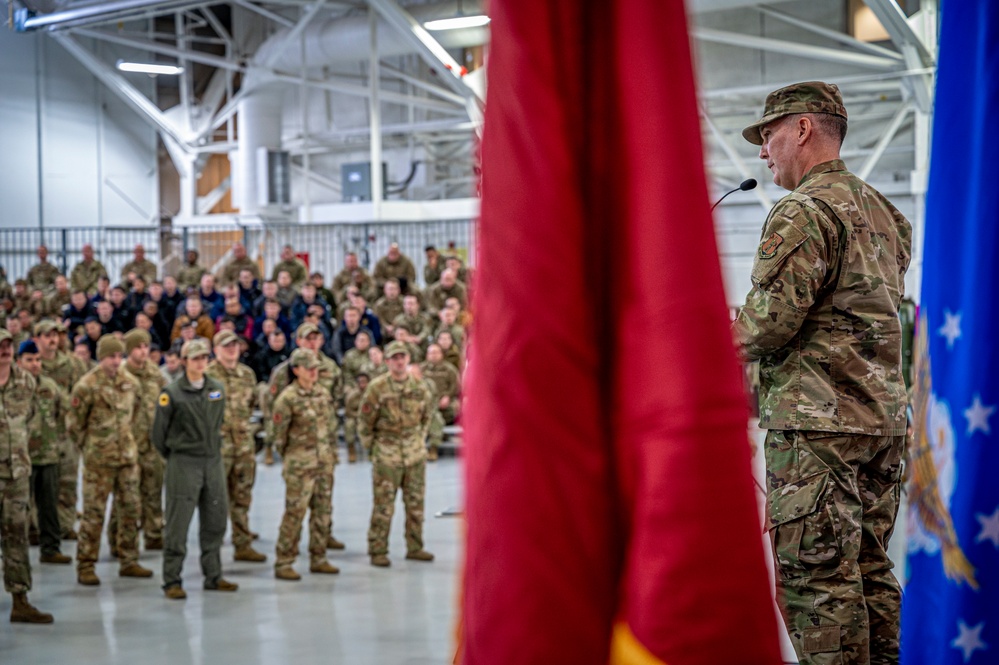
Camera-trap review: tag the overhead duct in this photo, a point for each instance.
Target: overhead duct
(325, 42)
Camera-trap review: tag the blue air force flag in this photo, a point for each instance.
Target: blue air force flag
(950, 611)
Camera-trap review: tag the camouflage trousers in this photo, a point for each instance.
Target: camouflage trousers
(14, 534)
(69, 477)
(264, 399)
(305, 489)
(435, 433)
(150, 496)
(832, 502)
(98, 483)
(350, 434)
(386, 483)
(240, 473)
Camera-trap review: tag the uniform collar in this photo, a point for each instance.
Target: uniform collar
(832, 166)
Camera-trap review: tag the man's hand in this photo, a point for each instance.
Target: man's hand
(445, 402)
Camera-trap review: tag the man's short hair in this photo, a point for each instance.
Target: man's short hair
(833, 126)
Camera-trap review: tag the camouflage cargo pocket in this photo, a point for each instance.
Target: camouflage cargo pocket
(804, 525)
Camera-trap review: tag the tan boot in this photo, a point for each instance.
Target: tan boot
(56, 557)
(432, 455)
(334, 544)
(269, 457)
(87, 577)
(222, 585)
(351, 455)
(287, 573)
(175, 592)
(420, 555)
(324, 567)
(249, 554)
(25, 612)
(380, 560)
(134, 570)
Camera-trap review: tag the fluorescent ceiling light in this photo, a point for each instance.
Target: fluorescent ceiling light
(457, 23)
(149, 68)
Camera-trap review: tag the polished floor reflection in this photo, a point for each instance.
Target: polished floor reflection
(400, 615)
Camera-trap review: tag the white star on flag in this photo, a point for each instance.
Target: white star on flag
(978, 416)
(969, 640)
(951, 329)
(990, 527)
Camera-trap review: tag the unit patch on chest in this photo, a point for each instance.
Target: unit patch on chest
(215, 395)
(164, 400)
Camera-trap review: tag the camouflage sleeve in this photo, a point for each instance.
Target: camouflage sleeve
(78, 414)
(791, 266)
(367, 415)
(161, 423)
(281, 419)
(429, 409)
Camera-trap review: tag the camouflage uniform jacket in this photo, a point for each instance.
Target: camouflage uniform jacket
(343, 279)
(436, 296)
(64, 369)
(296, 268)
(101, 416)
(371, 369)
(85, 275)
(444, 377)
(151, 382)
(330, 378)
(353, 360)
(42, 276)
(302, 427)
(402, 268)
(240, 398)
(230, 275)
(47, 430)
(415, 325)
(394, 419)
(145, 267)
(822, 316)
(388, 310)
(17, 408)
(352, 401)
(457, 333)
(190, 276)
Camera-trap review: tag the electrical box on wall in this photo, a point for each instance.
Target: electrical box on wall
(356, 181)
(273, 177)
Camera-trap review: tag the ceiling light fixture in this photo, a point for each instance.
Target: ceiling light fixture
(149, 68)
(457, 23)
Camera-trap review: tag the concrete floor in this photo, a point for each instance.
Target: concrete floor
(400, 615)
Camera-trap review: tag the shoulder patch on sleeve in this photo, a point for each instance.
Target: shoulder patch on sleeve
(366, 408)
(274, 389)
(277, 417)
(164, 399)
(76, 401)
(768, 249)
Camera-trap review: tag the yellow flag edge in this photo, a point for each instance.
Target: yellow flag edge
(625, 648)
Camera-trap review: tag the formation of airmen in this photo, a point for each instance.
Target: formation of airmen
(154, 384)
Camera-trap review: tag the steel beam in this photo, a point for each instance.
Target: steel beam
(736, 159)
(882, 144)
(356, 90)
(293, 35)
(162, 49)
(266, 13)
(913, 49)
(834, 35)
(790, 48)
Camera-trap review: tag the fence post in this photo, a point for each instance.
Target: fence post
(63, 255)
(185, 241)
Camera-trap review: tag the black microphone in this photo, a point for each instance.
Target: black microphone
(744, 186)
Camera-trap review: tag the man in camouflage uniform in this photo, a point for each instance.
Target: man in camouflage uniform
(345, 278)
(41, 276)
(17, 407)
(447, 387)
(435, 431)
(395, 413)
(351, 407)
(150, 381)
(388, 308)
(190, 274)
(356, 357)
(398, 266)
(437, 294)
(822, 319)
(239, 261)
(102, 414)
(293, 265)
(65, 369)
(303, 422)
(239, 384)
(139, 265)
(46, 440)
(86, 273)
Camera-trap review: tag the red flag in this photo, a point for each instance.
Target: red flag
(611, 514)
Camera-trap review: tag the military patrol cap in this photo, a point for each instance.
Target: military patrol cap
(135, 338)
(305, 330)
(5, 334)
(44, 326)
(807, 97)
(61, 327)
(304, 358)
(107, 345)
(27, 346)
(224, 337)
(194, 348)
(395, 348)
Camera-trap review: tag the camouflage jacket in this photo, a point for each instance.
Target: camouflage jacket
(190, 276)
(42, 276)
(85, 275)
(230, 274)
(387, 310)
(436, 296)
(352, 362)
(822, 316)
(394, 419)
(240, 399)
(330, 378)
(64, 369)
(151, 382)
(372, 370)
(17, 408)
(145, 267)
(415, 325)
(296, 268)
(351, 401)
(47, 437)
(302, 427)
(444, 377)
(401, 269)
(101, 416)
(457, 333)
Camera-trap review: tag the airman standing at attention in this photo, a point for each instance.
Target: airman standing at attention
(395, 414)
(138, 366)
(101, 417)
(239, 384)
(17, 406)
(302, 417)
